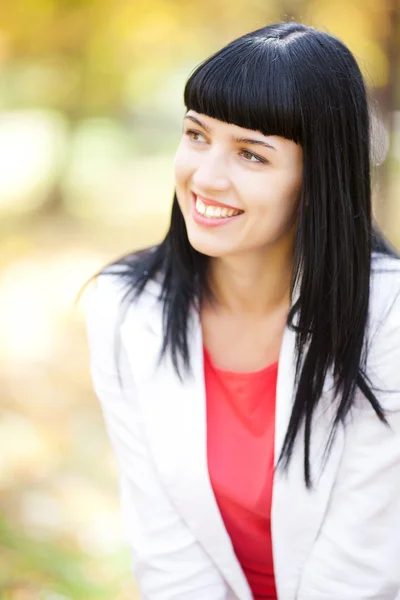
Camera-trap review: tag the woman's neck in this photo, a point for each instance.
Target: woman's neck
(251, 285)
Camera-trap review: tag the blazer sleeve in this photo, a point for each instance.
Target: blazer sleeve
(168, 562)
(357, 553)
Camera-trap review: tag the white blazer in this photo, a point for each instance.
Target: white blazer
(340, 541)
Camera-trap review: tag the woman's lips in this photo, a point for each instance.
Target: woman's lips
(210, 221)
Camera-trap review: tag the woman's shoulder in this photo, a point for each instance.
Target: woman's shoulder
(115, 288)
(382, 262)
(125, 274)
(384, 284)
(383, 358)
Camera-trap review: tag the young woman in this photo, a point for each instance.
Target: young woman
(249, 366)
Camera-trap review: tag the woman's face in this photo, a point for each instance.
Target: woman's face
(226, 167)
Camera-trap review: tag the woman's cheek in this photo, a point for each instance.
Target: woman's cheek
(183, 165)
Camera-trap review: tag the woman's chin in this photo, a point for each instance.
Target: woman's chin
(208, 247)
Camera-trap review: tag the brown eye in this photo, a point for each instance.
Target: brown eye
(191, 134)
(250, 155)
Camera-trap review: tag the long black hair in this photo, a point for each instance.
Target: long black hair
(302, 84)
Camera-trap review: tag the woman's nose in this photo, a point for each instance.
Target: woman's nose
(211, 174)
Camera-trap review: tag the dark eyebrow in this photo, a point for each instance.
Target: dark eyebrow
(198, 122)
(244, 140)
(239, 140)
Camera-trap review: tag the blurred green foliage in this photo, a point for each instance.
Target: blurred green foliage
(51, 565)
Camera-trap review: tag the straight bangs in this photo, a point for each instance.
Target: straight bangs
(250, 85)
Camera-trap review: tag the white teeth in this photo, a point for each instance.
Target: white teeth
(214, 211)
(209, 211)
(200, 206)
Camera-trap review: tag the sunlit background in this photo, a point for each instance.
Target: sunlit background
(90, 114)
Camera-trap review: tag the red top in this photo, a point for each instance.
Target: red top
(240, 448)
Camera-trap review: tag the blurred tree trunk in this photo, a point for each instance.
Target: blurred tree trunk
(54, 202)
(389, 102)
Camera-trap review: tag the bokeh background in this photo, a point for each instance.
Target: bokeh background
(90, 114)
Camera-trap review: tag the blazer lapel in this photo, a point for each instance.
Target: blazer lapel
(297, 513)
(175, 420)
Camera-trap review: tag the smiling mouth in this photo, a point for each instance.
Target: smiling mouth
(214, 212)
